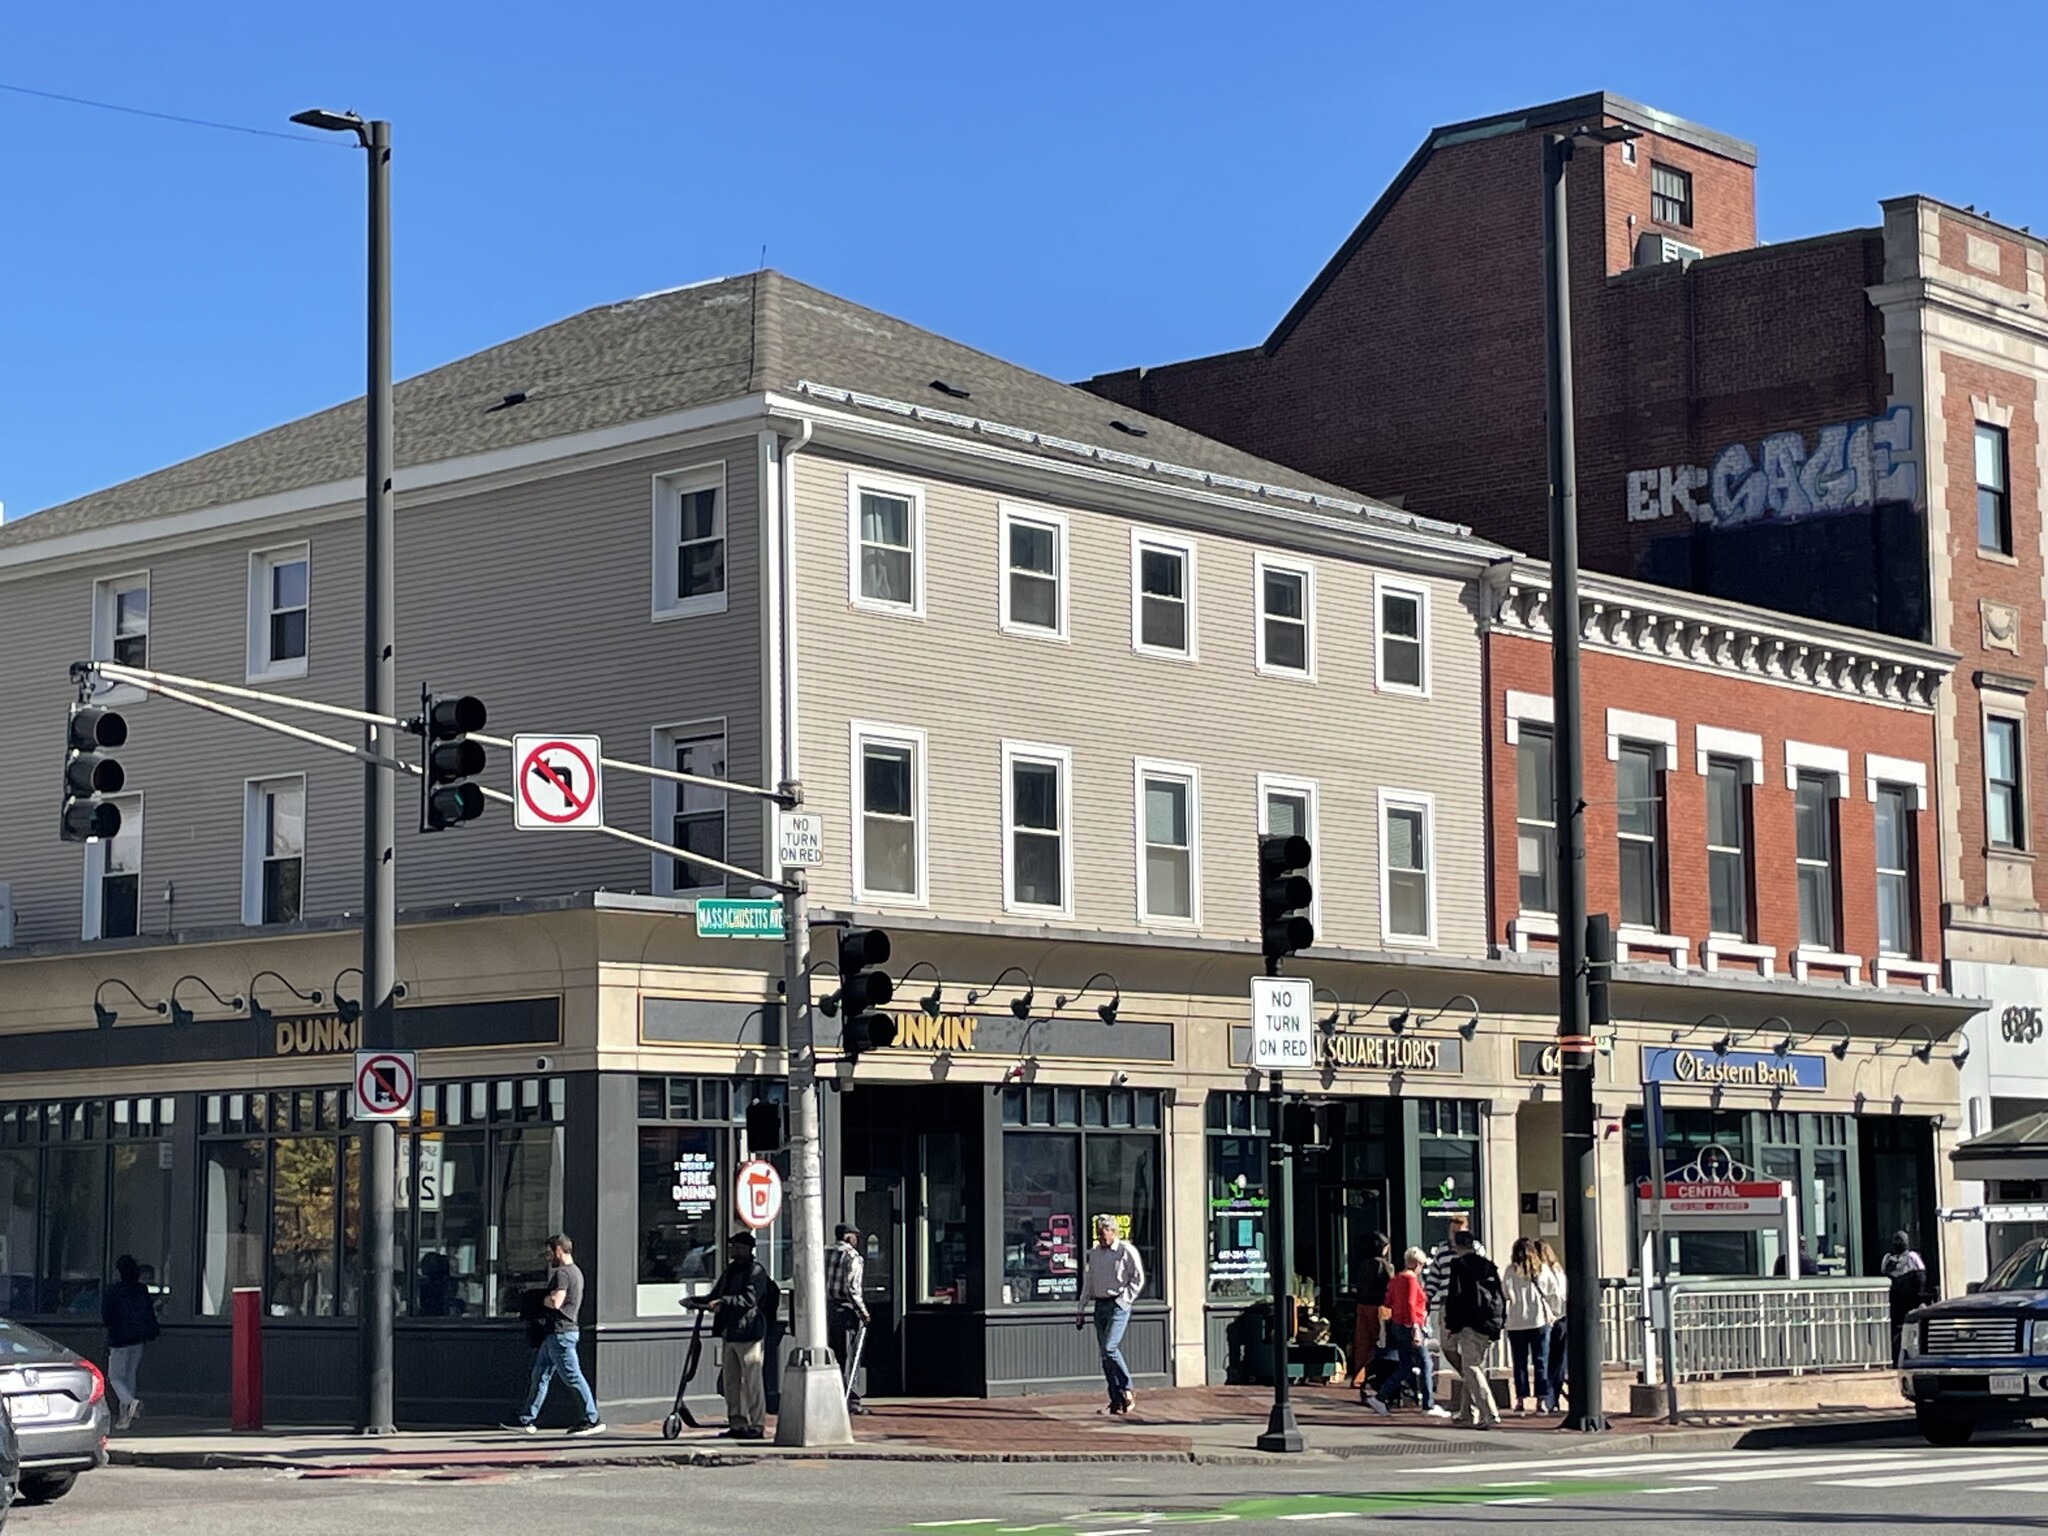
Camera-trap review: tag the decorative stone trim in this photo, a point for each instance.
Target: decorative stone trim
(1530, 925)
(1922, 971)
(1675, 951)
(1894, 770)
(1535, 708)
(1651, 730)
(1804, 959)
(1712, 741)
(1811, 758)
(1714, 950)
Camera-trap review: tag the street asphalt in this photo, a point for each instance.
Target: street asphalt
(1997, 1485)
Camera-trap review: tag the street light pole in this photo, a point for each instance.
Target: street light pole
(1282, 1432)
(376, 1307)
(1574, 1034)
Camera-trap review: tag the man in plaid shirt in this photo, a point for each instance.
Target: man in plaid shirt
(845, 1312)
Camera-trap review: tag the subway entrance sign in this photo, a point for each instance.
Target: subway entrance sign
(729, 918)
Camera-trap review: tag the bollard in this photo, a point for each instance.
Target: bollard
(245, 1387)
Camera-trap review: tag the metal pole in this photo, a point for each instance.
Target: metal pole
(1282, 1433)
(1584, 1356)
(1575, 1045)
(380, 1141)
(813, 1410)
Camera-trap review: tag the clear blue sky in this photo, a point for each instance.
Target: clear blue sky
(1074, 187)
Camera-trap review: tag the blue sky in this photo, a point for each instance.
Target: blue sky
(1073, 187)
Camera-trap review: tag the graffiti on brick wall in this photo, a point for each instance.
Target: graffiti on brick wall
(1851, 466)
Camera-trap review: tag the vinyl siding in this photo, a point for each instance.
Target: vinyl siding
(535, 597)
(955, 675)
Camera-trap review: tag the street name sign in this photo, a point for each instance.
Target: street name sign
(724, 917)
(1280, 1023)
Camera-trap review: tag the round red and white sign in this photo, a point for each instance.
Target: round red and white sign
(385, 1081)
(557, 781)
(758, 1193)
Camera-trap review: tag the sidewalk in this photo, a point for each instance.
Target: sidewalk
(1212, 1425)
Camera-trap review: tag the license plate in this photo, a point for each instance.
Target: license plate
(2008, 1386)
(30, 1405)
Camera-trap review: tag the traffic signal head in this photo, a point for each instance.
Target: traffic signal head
(88, 773)
(1285, 894)
(864, 988)
(764, 1127)
(448, 758)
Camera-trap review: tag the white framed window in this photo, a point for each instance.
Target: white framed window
(890, 814)
(113, 876)
(1169, 832)
(689, 541)
(1407, 867)
(1401, 636)
(1285, 592)
(120, 630)
(1814, 857)
(885, 545)
(273, 850)
(1162, 595)
(280, 610)
(1287, 808)
(691, 816)
(1033, 600)
(1639, 831)
(1038, 801)
(1536, 818)
(1896, 929)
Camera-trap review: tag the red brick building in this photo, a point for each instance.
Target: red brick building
(1844, 428)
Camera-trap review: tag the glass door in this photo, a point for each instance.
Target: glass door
(873, 1203)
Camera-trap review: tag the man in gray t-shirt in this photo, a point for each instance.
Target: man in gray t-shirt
(555, 1311)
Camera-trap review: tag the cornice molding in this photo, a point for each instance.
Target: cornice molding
(1682, 629)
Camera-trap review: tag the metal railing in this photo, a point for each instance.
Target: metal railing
(1777, 1327)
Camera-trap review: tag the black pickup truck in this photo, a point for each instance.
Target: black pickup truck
(1982, 1358)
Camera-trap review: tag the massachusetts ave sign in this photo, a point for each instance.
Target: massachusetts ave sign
(726, 918)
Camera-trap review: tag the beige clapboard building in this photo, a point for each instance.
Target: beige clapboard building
(1045, 667)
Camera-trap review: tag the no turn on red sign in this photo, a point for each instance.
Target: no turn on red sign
(557, 782)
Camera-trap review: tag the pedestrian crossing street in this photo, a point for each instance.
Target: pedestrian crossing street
(2016, 1468)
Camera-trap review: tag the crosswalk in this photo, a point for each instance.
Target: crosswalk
(2017, 1468)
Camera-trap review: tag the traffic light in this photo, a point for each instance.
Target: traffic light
(1284, 896)
(863, 989)
(448, 758)
(764, 1128)
(89, 774)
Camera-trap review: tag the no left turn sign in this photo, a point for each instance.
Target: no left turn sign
(557, 782)
(386, 1084)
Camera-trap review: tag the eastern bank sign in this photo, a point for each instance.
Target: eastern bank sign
(1737, 1069)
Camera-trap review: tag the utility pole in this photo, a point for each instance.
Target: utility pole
(1574, 1034)
(813, 1410)
(1282, 1432)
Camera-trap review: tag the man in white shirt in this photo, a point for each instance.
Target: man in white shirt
(1112, 1276)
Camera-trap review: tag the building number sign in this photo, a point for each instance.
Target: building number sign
(2020, 1025)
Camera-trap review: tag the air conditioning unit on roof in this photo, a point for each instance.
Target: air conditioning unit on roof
(1654, 250)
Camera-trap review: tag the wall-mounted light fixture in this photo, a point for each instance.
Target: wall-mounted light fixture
(1470, 1026)
(1703, 1022)
(263, 1015)
(1397, 1021)
(350, 1009)
(1020, 1005)
(1105, 1011)
(931, 1000)
(105, 1016)
(1328, 1021)
(180, 1014)
(1840, 1049)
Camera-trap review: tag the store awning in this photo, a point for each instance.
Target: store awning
(2016, 1151)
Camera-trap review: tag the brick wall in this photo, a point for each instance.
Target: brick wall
(1693, 698)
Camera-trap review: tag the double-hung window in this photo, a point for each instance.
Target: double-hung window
(1994, 502)
(1727, 848)
(1535, 817)
(1034, 581)
(280, 596)
(1895, 926)
(1814, 848)
(1286, 637)
(274, 851)
(120, 620)
(113, 876)
(1169, 855)
(1407, 867)
(1162, 595)
(889, 815)
(1401, 655)
(2005, 809)
(1287, 808)
(1670, 195)
(1638, 782)
(689, 542)
(1037, 812)
(887, 546)
(690, 816)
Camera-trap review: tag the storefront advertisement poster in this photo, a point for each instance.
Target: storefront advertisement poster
(695, 1190)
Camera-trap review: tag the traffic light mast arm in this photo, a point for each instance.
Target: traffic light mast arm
(789, 800)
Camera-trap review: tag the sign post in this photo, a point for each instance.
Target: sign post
(1280, 1039)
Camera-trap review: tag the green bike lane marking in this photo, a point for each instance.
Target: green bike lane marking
(1285, 1506)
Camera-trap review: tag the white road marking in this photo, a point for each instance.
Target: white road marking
(1683, 1488)
(1595, 1466)
(1981, 1474)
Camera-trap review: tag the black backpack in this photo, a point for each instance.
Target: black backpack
(1489, 1302)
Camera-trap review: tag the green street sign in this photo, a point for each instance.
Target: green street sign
(725, 918)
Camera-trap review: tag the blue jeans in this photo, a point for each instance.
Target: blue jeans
(1559, 1336)
(557, 1352)
(1110, 1322)
(1411, 1366)
(1531, 1348)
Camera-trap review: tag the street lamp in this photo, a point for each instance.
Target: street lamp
(1574, 1024)
(380, 698)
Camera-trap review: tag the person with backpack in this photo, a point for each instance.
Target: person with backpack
(1475, 1314)
(1910, 1286)
(742, 1305)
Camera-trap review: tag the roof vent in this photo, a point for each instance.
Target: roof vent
(954, 391)
(517, 397)
(1127, 429)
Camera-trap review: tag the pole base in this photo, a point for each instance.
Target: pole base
(1584, 1423)
(813, 1402)
(1282, 1433)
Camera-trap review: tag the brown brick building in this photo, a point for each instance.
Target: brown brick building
(1844, 428)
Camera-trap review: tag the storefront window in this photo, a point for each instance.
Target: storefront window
(1110, 1135)
(1238, 1202)
(303, 1229)
(236, 1200)
(139, 1220)
(691, 1143)
(74, 1229)
(949, 1236)
(527, 1174)
(449, 1189)
(1447, 1168)
(17, 1231)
